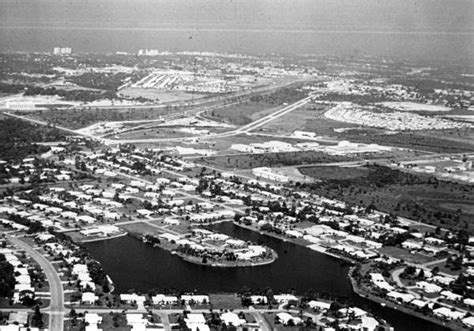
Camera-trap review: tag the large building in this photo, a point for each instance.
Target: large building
(268, 173)
(62, 50)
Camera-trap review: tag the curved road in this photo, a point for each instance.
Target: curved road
(56, 308)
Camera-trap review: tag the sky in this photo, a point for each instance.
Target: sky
(417, 28)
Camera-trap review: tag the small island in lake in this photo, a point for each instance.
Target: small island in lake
(201, 246)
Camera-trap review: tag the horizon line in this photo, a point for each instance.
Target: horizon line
(164, 29)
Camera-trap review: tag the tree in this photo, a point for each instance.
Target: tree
(421, 274)
(37, 318)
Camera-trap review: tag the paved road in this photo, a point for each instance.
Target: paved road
(260, 320)
(242, 130)
(56, 308)
(31, 120)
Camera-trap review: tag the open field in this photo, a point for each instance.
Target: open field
(257, 106)
(418, 197)
(302, 119)
(328, 173)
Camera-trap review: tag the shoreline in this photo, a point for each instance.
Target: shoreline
(360, 292)
(103, 238)
(343, 259)
(392, 305)
(322, 251)
(197, 261)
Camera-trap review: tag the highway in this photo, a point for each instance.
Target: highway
(31, 120)
(56, 309)
(199, 101)
(242, 130)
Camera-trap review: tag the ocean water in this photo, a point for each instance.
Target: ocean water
(438, 47)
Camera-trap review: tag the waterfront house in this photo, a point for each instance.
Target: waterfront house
(417, 303)
(198, 299)
(403, 297)
(319, 305)
(132, 298)
(449, 314)
(259, 299)
(285, 298)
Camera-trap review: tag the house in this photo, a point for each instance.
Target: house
(397, 296)
(319, 305)
(137, 321)
(92, 321)
(449, 314)
(231, 318)
(428, 287)
(418, 303)
(89, 298)
(259, 299)
(285, 298)
(285, 318)
(198, 299)
(448, 295)
(20, 317)
(468, 321)
(132, 298)
(161, 299)
(196, 322)
(380, 282)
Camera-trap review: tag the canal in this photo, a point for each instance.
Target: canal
(134, 265)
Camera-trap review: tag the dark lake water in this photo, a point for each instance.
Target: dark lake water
(134, 265)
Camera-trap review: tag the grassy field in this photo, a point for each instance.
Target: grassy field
(405, 255)
(418, 197)
(257, 106)
(225, 301)
(326, 173)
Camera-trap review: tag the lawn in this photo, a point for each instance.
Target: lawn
(334, 172)
(225, 301)
(400, 253)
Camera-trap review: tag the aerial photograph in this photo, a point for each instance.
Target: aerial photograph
(236, 165)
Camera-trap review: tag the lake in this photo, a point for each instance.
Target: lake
(134, 265)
